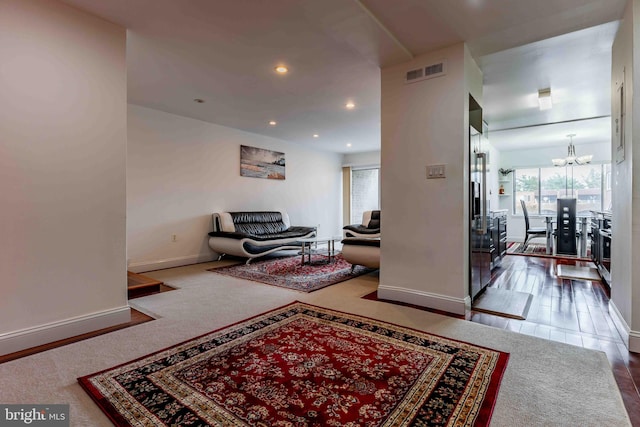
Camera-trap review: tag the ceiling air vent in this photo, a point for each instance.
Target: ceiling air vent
(415, 74)
(428, 72)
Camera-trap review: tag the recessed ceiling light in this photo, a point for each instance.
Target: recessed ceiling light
(349, 144)
(273, 123)
(315, 135)
(281, 69)
(350, 105)
(199, 101)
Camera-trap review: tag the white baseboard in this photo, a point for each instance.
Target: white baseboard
(143, 266)
(623, 328)
(634, 341)
(460, 306)
(44, 334)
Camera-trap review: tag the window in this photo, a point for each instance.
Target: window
(540, 188)
(527, 189)
(365, 192)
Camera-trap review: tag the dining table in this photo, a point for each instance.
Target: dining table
(581, 219)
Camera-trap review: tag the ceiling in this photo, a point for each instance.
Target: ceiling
(577, 68)
(224, 52)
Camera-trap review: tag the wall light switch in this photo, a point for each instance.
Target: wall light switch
(435, 171)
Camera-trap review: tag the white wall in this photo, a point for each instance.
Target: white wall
(535, 158)
(425, 251)
(630, 170)
(62, 173)
(625, 273)
(494, 178)
(368, 158)
(181, 170)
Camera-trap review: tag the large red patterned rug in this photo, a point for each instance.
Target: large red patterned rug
(302, 365)
(288, 273)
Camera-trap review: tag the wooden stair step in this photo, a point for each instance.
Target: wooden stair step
(139, 285)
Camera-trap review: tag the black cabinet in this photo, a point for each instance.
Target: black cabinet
(601, 243)
(498, 237)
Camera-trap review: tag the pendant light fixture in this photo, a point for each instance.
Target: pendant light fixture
(571, 156)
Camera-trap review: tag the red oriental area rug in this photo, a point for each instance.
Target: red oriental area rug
(288, 273)
(302, 365)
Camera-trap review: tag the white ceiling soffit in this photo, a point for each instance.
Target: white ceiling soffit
(589, 131)
(577, 68)
(488, 26)
(224, 51)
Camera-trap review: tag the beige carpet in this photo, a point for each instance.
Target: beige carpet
(578, 272)
(505, 303)
(545, 384)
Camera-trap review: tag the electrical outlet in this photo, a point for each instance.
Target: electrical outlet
(174, 237)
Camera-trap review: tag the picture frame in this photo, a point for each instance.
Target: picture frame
(619, 115)
(261, 163)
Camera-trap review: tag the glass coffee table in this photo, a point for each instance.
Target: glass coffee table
(325, 246)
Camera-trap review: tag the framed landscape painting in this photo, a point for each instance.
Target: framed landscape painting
(261, 163)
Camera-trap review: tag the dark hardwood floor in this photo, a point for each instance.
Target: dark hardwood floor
(571, 311)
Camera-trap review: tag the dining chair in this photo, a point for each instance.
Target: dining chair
(566, 236)
(530, 232)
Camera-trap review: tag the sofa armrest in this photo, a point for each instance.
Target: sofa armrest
(358, 241)
(361, 229)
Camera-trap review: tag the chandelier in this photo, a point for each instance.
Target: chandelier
(571, 156)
